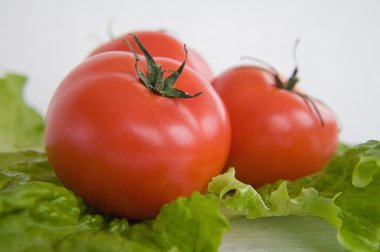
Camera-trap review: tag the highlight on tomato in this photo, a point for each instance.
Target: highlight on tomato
(130, 133)
(160, 44)
(278, 132)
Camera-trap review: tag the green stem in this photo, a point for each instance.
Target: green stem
(290, 84)
(160, 81)
(292, 81)
(154, 80)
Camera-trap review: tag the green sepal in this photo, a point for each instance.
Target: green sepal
(154, 80)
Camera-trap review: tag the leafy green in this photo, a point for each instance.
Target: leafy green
(99, 242)
(38, 214)
(33, 212)
(199, 214)
(24, 166)
(20, 125)
(346, 194)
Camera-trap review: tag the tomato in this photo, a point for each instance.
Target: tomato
(276, 133)
(160, 44)
(127, 150)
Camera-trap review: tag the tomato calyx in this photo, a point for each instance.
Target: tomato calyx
(290, 84)
(155, 80)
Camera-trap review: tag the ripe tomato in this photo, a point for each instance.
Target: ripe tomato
(127, 150)
(276, 133)
(160, 44)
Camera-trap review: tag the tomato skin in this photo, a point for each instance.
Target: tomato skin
(276, 134)
(127, 151)
(160, 44)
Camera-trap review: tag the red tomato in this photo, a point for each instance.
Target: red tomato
(276, 133)
(160, 44)
(126, 150)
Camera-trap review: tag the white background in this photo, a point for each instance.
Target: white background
(339, 53)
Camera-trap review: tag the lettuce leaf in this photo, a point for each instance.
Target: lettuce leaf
(21, 126)
(345, 194)
(38, 214)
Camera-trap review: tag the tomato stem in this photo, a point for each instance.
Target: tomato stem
(154, 80)
(110, 33)
(290, 84)
(293, 80)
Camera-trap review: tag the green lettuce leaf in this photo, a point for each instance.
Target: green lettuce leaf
(21, 126)
(38, 214)
(345, 194)
(198, 214)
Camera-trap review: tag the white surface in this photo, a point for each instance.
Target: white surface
(339, 54)
(273, 234)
